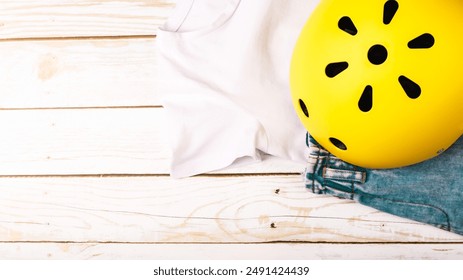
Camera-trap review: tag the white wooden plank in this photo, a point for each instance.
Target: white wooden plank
(82, 142)
(243, 209)
(95, 141)
(69, 18)
(282, 251)
(78, 73)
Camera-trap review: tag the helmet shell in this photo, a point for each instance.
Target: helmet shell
(378, 83)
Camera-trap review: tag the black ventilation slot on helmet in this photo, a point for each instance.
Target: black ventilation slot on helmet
(366, 100)
(424, 41)
(334, 69)
(338, 143)
(303, 108)
(411, 88)
(390, 8)
(347, 25)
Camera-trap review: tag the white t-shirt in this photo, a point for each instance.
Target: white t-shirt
(225, 68)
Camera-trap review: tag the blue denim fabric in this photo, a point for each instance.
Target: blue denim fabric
(430, 192)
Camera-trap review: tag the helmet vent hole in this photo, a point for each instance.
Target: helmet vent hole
(334, 69)
(424, 41)
(366, 100)
(303, 108)
(347, 25)
(411, 88)
(377, 54)
(390, 8)
(338, 143)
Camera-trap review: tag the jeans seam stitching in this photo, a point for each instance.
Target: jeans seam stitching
(313, 170)
(352, 184)
(325, 165)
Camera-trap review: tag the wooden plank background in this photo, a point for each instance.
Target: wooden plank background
(84, 160)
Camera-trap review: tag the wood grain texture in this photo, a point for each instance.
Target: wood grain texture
(87, 18)
(83, 129)
(82, 141)
(79, 73)
(279, 251)
(244, 209)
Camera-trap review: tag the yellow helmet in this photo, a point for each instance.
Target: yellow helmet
(378, 83)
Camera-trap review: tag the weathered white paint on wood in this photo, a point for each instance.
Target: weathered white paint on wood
(288, 251)
(50, 60)
(82, 141)
(69, 18)
(78, 73)
(242, 209)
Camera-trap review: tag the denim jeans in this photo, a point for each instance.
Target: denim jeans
(430, 192)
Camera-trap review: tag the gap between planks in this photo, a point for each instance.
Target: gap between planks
(77, 38)
(289, 242)
(83, 108)
(153, 175)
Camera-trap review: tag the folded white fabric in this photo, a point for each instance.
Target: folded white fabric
(225, 69)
